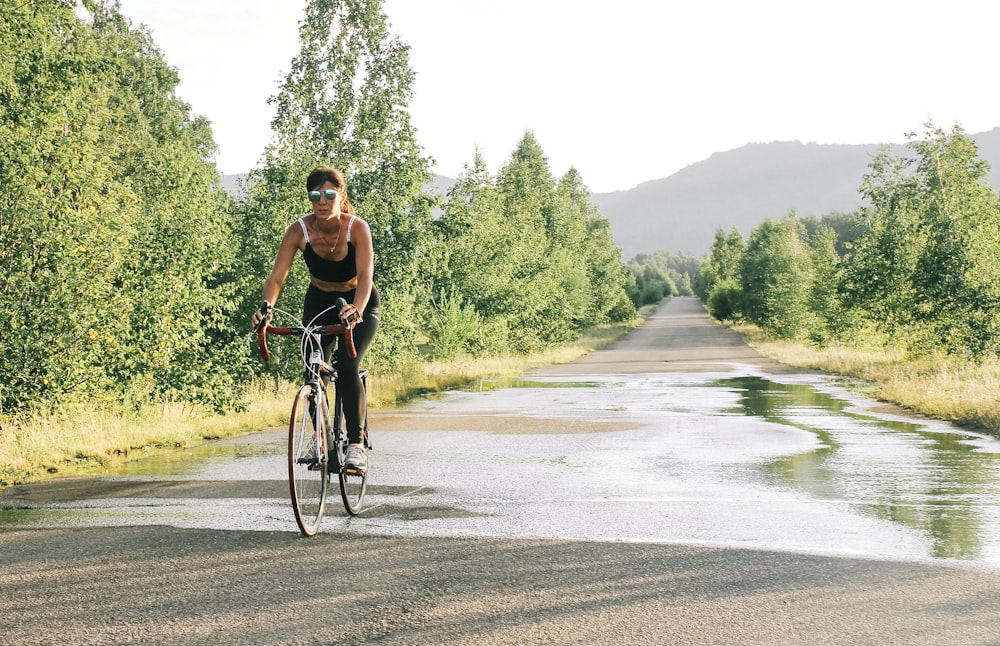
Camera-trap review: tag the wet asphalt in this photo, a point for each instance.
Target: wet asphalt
(675, 488)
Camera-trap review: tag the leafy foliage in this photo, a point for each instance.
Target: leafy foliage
(659, 275)
(956, 279)
(108, 223)
(722, 264)
(724, 300)
(454, 328)
(530, 254)
(776, 276)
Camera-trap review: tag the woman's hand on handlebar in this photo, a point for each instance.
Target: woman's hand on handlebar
(261, 316)
(350, 314)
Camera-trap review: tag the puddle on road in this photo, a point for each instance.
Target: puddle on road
(489, 385)
(940, 483)
(521, 382)
(190, 460)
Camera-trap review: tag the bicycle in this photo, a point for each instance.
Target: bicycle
(317, 443)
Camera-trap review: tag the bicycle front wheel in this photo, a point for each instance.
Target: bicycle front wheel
(307, 463)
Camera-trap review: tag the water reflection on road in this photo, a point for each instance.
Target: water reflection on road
(944, 484)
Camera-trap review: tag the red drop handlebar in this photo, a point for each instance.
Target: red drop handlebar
(343, 330)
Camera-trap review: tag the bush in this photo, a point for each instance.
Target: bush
(453, 327)
(724, 300)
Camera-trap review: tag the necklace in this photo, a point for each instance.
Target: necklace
(337, 241)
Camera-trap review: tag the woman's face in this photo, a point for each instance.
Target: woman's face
(325, 200)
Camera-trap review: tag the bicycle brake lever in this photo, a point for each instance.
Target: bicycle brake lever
(265, 309)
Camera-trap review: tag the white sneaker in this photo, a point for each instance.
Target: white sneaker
(357, 458)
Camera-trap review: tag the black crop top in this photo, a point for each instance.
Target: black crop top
(332, 271)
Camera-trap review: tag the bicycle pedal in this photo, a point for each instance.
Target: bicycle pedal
(353, 472)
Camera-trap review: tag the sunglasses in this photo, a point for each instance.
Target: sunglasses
(330, 194)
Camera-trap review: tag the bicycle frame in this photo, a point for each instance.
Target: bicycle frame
(311, 350)
(315, 443)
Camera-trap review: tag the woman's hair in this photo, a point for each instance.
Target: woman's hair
(323, 174)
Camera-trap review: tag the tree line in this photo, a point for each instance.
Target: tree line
(660, 275)
(129, 275)
(917, 268)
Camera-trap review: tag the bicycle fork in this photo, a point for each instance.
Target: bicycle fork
(316, 455)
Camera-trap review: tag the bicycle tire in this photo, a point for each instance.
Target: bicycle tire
(353, 484)
(307, 463)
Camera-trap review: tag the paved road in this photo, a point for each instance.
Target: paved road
(162, 584)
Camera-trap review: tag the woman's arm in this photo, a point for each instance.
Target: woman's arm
(275, 281)
(364, 257)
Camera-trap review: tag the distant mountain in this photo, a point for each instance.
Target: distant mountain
(440, 185)
(740, 188)
(233, 184)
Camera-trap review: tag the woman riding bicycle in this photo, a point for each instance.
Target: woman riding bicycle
(337, 248)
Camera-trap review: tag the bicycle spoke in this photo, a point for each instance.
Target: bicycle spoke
(353, 483)
(306, 463)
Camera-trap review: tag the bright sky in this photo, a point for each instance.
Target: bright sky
(626, 91)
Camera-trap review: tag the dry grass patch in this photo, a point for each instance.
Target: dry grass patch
(82, 438)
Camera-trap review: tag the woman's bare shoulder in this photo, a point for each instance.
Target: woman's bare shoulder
(361, 224)
(294, 232)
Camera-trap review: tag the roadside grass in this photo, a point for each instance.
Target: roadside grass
(83, 439)
(962, 392)
(88, 439)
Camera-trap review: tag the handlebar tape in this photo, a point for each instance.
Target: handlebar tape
(348, 333)
(345, 331)
(265, 309)
(349, 339)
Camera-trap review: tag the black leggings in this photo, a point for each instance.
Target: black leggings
(348, 378)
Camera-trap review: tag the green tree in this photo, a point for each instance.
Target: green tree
(927, 264)
(653, 278)
(528, 196)
(957, 276)
(471, 235)
(108, 227)
(776, 278)
(724, 300)
(847, 227)
(561, 252)
(880, 264)
(345, 103)
(454, 328)
(586, 236)
(824, 297)
(662, 274)
(531, 256)
(722, 264)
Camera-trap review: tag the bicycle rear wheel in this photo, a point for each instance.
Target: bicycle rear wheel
(352, 489)
(307, 464)
(353, 484)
